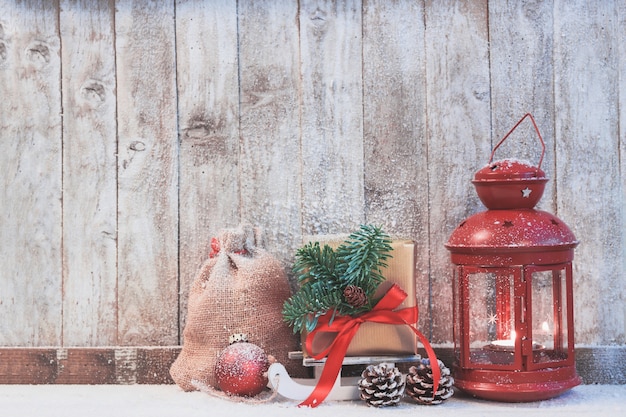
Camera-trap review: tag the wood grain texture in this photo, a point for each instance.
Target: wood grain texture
(89, 174)
(208, 118)
(147, 174)
(150, 365)
(332, 116)
(131, 131)
(521, 55)
(80, 365)
(588, 162)
(457, 72)
(394, 129)
(30, 165)
(270, 122)
(620, 193)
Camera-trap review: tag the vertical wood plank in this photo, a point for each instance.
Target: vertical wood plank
(521, 51)
(147, 173)
(89, 174)
(208, 103)
(394, 128)
(457, 68)
(332, 116)
(30, 163)
(621, 193)
(270, 122)
(588, 162)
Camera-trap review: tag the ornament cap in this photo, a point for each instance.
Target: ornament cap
(237, 338)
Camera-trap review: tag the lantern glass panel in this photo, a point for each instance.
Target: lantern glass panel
(564, 308)
(456, 312)
(549, 316)
(491, 317)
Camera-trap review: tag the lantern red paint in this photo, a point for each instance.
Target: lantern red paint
(513, 301)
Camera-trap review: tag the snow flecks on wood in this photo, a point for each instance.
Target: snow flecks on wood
(332, 116)
(394, 130)
(458, 132)
(147, 178)
(89, 175)
(270, 122)
(133, 131)
(208, 118)
(588, 164)
(31, 167)
(521, 48)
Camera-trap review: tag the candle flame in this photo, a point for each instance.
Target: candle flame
(545, 327)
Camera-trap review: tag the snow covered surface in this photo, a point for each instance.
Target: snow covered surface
(169, 400)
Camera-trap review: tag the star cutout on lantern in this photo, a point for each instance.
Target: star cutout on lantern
(526, 192)
(492, 319)
(507, 223)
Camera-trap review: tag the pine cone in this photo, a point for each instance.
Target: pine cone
(355, 296)
(419, 383)
(381, 385)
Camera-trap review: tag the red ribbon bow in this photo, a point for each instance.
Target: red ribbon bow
(346, 327)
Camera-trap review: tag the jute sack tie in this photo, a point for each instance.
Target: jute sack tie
(240, 289)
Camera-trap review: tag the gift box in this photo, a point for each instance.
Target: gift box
(376, 339)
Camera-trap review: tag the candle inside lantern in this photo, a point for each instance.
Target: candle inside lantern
(508, 345)
(505, 344)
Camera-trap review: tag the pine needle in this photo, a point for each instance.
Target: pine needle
(324, 273)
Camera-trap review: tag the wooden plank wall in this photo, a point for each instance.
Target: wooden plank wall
(131, 132)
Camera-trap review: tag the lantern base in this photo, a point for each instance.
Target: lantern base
(515, 386)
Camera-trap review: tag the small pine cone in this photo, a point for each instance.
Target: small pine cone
(419, 383)
(381, 385)
(355, 296)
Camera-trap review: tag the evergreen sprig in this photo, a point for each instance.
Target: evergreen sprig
(315, 263)
(324, 274)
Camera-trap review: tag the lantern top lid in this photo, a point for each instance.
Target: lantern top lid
(509, 170)
(511, 183)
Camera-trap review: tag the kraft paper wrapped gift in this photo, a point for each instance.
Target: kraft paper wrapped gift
(376, 339)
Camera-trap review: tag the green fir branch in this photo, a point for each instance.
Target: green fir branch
(324, 273)
(365, 253)
(315, 263)
(312, 301)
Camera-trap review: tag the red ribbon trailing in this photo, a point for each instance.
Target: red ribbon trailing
(346, 327)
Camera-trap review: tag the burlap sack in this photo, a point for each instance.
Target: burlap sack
(241, 289)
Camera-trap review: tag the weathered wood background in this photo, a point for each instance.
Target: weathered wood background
(131, 132)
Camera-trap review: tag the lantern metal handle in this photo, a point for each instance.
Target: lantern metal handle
(543, 145)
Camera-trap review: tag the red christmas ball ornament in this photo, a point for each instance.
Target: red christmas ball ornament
(241, 368)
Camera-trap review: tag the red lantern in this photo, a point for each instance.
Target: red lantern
(513, 302)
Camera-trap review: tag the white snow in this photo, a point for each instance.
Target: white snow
(169, 400)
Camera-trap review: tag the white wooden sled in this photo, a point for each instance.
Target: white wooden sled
(345, 388)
